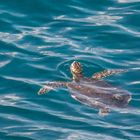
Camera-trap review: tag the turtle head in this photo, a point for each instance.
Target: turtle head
(76, 69)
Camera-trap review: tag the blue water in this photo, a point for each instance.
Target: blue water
(38, 41)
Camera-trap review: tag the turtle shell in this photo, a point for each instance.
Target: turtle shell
(99, 91)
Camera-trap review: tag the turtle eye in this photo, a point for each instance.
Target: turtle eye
(76, 67)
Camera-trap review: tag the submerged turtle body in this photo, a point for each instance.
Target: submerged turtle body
(93, 91)
(110, 96)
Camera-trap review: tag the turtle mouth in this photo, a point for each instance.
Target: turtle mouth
(76, 67)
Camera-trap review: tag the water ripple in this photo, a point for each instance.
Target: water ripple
(98, 20)
(39, 41)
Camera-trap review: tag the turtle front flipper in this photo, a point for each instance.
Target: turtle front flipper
(50, 86)
(105, 73)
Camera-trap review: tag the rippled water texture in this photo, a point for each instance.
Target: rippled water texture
(38, 41)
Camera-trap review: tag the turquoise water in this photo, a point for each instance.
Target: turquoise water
(38, 41)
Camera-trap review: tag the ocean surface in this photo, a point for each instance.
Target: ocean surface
(39, 39)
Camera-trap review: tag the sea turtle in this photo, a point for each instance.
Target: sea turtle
(93, 91)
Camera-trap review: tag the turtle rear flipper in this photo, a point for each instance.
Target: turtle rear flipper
(92, 102)
(104, 112)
